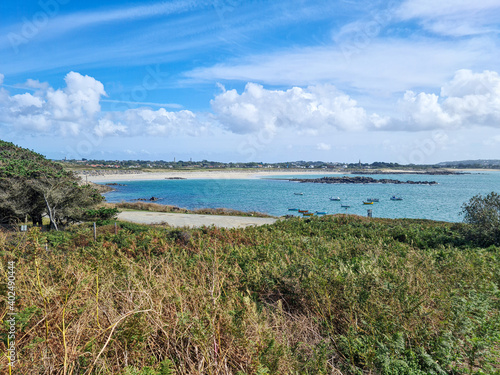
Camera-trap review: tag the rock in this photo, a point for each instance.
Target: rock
(358, 180)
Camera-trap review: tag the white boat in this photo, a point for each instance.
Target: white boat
(394, 198)
(335, 199)
(372, 199)
(299, 193)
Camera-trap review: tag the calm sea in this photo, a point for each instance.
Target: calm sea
(275, 197)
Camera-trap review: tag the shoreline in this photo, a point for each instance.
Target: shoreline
(106, 177)
(197, 175)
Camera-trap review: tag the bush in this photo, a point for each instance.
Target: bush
(101, 215)
(483, 216)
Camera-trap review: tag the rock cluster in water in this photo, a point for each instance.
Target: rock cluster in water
(359, 180)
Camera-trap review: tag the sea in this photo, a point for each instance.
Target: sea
(276, 195)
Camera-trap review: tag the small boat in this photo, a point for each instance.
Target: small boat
(394, 198)
(299, 193)
(293, 209)
(308, 214)
(335, 199)
(372, 199)
(344, 206)
(303, 211)
(320, 213)
(367, 202)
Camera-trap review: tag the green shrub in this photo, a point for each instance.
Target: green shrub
(483, 216)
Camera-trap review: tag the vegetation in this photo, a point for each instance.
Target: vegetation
(31, 185)
(331, 295)
(483, 215)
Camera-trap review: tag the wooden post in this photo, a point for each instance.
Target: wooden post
(370, 213)
(95, 232)
(116, 228)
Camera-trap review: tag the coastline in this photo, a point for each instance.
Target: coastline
(198, 175)
(116, 176)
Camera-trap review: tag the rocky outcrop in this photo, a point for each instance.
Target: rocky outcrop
(359, 180)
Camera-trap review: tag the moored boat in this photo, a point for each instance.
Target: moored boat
(308, 214)
(303, 211)
(372, 199)
(293, 209)
(394, 198)
(320, 213)
(298, 193)
(335, 198)
(367, 202)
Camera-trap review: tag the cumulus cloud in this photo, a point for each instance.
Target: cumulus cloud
(162, 122)
(314, 107)
(76, 108)
(66, 110)
(1, 78)
(469, 99)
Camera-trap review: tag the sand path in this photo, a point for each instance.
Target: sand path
(193, 220)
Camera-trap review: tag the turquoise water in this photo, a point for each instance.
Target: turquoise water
(275, 197)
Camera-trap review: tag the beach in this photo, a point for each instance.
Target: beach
(105, 176)
(193, 220)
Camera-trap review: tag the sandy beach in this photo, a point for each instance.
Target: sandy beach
(216, 174)
(193, 220)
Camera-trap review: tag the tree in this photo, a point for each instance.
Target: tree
(483, 216)
(32, 185)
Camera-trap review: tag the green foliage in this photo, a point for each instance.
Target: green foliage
(483, 216)
(31, 185)
(326, 295)
(101, 215)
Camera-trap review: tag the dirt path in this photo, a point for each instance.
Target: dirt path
(192, 220)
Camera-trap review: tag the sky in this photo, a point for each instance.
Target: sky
(408, 81)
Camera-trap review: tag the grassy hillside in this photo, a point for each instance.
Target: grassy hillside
(331, 295)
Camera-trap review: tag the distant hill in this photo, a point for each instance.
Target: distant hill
(480, 163)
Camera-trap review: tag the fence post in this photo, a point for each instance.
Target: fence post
(370, 212)
(95, 232)
(116, 228)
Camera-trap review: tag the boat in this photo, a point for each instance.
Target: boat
(335, 199)
(308, 214)
(394, 198)
(344, 206)
(367, 202)
(372, 199)
(303, 211)
(320, 213)
(299, 193)
(293, 209)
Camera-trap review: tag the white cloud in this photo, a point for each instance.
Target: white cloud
(315, 107)
(1, 78)
(469, 99)
(323, 146)
(106, 127)
(377, 66)
(453, 17)
(76, 108)
(66, 110)
(162, 122)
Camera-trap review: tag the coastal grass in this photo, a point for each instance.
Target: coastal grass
(332, 295)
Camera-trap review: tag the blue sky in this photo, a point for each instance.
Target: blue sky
(409, 81)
